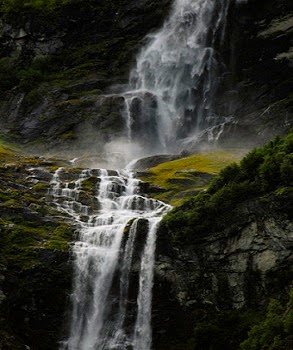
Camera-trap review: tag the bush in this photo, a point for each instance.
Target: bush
(229, 174)
(275, 332)
(261, 172)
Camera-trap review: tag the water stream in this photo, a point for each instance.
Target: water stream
(122, 225)
(173, 85)
(169, 101)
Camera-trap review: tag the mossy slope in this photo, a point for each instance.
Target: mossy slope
(34, 270)
(181, 179)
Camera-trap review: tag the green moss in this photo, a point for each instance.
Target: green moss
(128, 226)
(40, 187)
(26, 221)
(209, 162)
(89, 184)
(8, 151)
(29, 5)
(21, 239)
(68, 135)
(183, 177)
(5, 155)
(60, 238)
(11, 203)
(90, 92)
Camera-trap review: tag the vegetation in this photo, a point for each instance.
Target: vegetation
(34, 271)
(46, 6)
(59, 238)
(247, 330)
(8, 75)
(225, 330)
(24, 223)
(70, 50)
(264, 172)
(275, 332)
(13, 74)
(185, 177)
(89, 60)
(36, 5)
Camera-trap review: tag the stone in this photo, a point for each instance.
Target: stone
(237, 268)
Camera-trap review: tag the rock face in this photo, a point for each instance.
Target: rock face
(261, 64)
(35, 273)
(33, 310)
(56, 68)
(238, 268)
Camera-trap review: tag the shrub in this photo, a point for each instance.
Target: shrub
(275, 331)
(261, 172)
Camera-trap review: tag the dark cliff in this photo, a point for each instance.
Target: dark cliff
(227, 251)
(261, 62)
(61, 70)
(35, 273)
(56, 66)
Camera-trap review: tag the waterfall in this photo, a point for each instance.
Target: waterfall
(173, 85)
(170, 100)
(116, 237)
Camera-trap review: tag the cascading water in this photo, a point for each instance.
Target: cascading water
(104, 257)
(173, 86)
(170, 100)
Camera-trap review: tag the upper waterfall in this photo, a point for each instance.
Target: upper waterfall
(174, 81)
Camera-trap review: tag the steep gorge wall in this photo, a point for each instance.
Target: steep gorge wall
(231, 272)
(260, 58)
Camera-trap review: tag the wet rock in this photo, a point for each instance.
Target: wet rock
(88, 38)
(263, 106)
(152, 161)
(237, 268)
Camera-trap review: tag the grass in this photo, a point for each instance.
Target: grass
(183, 178)
(7, 149)
(12, 155)
(4, 152)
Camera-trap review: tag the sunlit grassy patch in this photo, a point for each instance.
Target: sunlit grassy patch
(183, 178)
(7, 149)
(4, 152)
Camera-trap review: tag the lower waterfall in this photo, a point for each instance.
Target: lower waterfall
(115, 235)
